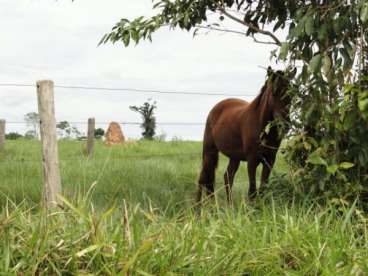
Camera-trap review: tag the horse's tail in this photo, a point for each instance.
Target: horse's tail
(210, 156)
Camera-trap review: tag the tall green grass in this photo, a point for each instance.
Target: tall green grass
(129, 211)
(164, 172)
(251, 240)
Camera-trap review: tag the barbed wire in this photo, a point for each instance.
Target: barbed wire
(93, 159)
(124, 90)
(134, 90)
(122, 123)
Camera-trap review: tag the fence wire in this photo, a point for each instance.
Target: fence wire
(127, 90)
(113, 158)
(121, 123)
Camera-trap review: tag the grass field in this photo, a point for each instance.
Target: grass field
(163, 172)
(159, 233)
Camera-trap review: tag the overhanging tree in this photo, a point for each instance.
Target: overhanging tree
(326, 39)
(194, 14)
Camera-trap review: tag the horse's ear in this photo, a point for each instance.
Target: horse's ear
(269, 71)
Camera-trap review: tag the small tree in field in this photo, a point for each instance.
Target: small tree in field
(149, 120)
(99, 133)
(32, 120)
(30, 135)
(66, 131)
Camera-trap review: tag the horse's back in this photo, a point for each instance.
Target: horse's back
(223, 127)
(226, 109)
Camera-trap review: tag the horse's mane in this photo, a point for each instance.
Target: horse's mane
(257, 101)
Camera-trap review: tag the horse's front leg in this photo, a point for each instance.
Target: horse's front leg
(252, 168)
(266, 170)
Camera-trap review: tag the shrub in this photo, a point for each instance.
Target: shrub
(13, 136)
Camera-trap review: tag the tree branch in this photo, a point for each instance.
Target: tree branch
(264, 42)
(211, 28)
(221, 30)
(251, 26)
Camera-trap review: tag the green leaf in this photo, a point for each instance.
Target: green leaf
(338, 24)
(307, 146)
(278, 25)
(326, 64)
(332, 169)
(346, 165)
(268, 128)
(297, 31)
(347, 58)
(349, 120)
(315, 159)
(104, 39)
(284, 50)
(315, 63)
(135, 35)
(126, 38)
(307, 53)
(347, 46)
(305, 74)
(364, 13)
(363, 104)
(322, 33)
(87, 250)
(309, 26)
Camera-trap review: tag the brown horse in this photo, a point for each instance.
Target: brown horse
(234, 127)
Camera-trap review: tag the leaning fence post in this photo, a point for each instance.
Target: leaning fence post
(50, 156)
(2, 134)
(90, 136)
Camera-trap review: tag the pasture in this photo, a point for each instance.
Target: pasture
(127, 210)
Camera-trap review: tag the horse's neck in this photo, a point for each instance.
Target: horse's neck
(262, 109)
(265, 115)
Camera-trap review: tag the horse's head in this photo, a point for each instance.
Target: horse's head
(277, 85)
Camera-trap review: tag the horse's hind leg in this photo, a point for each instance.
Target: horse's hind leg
(229, 178)
(253, 163)
(207, 176)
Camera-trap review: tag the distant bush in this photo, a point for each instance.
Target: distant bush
(13, 136)
(99, 133)
(161, 137)
(176, 139)
(30, 134)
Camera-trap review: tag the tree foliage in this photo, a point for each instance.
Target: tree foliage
(66, 131)
(326, 40)
(13, 136)
(30, 135)
(149, 120)
(99, 133)
(193, 13)
(32, 120)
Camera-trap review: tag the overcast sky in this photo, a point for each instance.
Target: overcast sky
(48, 39)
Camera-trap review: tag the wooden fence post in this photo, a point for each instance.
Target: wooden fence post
(90, 136)
(2, 134)
(50, 156)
